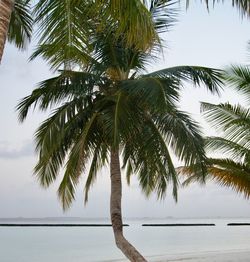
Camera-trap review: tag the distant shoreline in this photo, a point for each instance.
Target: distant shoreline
(20, 218)
(178, 225)
(57, 225)
(109, 225)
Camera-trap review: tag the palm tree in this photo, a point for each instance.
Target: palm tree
(232, 168)
(110, 112)
(15, 23)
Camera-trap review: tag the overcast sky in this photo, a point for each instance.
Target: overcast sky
(217, 39)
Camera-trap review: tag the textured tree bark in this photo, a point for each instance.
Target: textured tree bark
(6, 7)
(115, 211)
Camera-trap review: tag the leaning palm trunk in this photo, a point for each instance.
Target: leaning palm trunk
(6, 7)
(115, 211)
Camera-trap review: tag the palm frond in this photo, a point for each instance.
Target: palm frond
(231, 174)
(171, 174)
(67, 86)
(211, 78)
(232, 169)
(238, 77)
(184, 137)
(227, 147)
(21, 22)
(146, 154)
(55, 137)
(242, 5)
(76, 164)
(99, 160)
(163, 14)
(64, 34)
(238, 181)
(225, 172)
(135, 25)
(154, 92)
(233, 120)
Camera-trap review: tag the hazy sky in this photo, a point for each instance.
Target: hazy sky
(216, 39)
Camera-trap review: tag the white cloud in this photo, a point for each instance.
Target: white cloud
(7, 150)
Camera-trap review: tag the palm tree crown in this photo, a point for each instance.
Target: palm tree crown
(110, 105)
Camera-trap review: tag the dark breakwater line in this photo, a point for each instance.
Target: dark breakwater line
(176, 225)
(238, 224)
(58, 225)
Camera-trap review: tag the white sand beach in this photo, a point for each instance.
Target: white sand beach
(225, 256)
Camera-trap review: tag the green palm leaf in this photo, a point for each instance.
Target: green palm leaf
(233, 120)
(64, 34)
(99, 160)
(78, 158)
(20, 27)
(163, 14)
(55, 137)
(135, 24)
(238, 78)
(68, 85)
(211, 78)
(227, 147)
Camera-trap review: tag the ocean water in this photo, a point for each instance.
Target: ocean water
(90, 244)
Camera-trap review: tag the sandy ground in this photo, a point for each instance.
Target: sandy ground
(225, 256)
(213, 256)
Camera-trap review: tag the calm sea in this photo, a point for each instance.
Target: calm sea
(46, 244)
